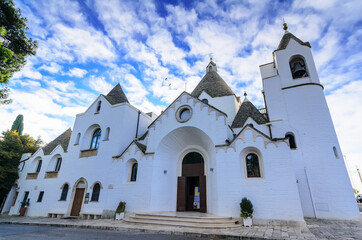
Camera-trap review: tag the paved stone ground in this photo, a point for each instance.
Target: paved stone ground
(316, 228)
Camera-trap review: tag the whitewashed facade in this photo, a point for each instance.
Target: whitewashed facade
(296, 171)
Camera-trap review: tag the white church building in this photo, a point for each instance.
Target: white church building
(205, 152)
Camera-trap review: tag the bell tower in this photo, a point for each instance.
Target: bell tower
(297, 109)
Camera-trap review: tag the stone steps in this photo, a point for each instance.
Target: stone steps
(182, 220)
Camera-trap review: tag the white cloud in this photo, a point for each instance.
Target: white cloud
(28, 71)
(77, 72)
(99, 84)
(162, 44)
(52, 67)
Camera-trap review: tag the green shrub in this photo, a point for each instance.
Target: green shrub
(121, 207)
(246, 208)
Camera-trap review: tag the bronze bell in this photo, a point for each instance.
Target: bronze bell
(298, 70)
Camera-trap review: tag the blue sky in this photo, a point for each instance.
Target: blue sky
(87, 47)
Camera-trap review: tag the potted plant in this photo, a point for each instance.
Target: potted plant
(120, 210)
(24, 207)
(246, 211)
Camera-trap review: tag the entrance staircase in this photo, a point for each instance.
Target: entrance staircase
(182, 219)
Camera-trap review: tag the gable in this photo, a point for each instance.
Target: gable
(179, 98)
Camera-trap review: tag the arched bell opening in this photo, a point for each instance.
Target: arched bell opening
(191, 186)
(298, 67)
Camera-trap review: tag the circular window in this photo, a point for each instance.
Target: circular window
(205, 101)
(183, 114)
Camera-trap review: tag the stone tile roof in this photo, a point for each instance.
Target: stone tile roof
(247, 109)
(62, 139)
(285, 41)
(116, 95)
(141, 146)
(213, 85)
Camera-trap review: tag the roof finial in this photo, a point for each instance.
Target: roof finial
(285, 26)
(210, 55)
(245, 94)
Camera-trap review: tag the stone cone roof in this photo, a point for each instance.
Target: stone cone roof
(247, 109)
(213, 85)
(285, 41)
(62, 139)
(116, 95)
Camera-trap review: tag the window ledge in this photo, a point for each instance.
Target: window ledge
(96, 113)
(51, 174)
(32, 175)
(88, 153)
(62, 200)
(104, 140)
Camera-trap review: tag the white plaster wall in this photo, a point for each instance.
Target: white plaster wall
(227, 104)
(277, 186)
(122, 120)
(322, 179)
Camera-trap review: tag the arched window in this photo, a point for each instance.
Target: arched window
(252, 165)
(210, 68)
(39, 166)
(96, 138)
(291, 140)
(298, 67)
(106, 136)
(63, 197)
(99, 106)
(59, 163)
(77, 139)
(95, 192)
(134, 172)
(205, 101)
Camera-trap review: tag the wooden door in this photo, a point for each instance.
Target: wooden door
(203, 194)
(181, 194)
(77, 202)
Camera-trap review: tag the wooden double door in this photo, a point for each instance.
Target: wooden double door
(191, 186)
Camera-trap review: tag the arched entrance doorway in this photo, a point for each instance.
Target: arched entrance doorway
(78, 198)
(191, 186)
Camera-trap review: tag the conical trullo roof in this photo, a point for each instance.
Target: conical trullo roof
(286, 38)
(116, 95)
(247, 109)
(62, 139)
(213, 85)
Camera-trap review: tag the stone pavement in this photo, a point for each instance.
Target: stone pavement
(316, 228)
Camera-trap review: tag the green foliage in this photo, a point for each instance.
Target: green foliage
(17, 47)
(355, 190)
(121, 207)
(246, 208)
(25, 203)
(4, 94)
(18, 124)
(12, 146)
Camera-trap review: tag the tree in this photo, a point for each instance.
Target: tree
(18, 124)
(12, 146)
(17, 46)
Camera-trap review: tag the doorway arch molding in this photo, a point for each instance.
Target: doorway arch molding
(189, 149)
(74, 188)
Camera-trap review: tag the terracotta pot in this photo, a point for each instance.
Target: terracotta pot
(23, 211)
